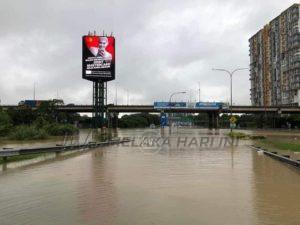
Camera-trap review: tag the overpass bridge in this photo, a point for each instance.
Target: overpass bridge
(151, 109)
(213, 114)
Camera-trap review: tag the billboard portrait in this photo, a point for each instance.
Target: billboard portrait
(98, 58)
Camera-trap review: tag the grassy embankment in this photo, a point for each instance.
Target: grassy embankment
(243, 136)
(279, 144)
(274, 143)
(34, 132)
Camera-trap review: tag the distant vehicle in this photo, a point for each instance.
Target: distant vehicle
(37, 103)
(21, 103)
(31, 103)
(197, 105)
(166, 105)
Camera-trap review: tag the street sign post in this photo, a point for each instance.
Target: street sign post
(233, 121)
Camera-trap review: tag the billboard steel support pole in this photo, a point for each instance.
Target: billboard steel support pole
(98, 66)
(99, 103)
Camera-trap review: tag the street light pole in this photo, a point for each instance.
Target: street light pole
(170, 100)
(199, 91)
(33, 90)
(127, 97)
(175, 93)
(230, 73)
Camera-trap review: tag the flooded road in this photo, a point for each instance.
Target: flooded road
(167, 183)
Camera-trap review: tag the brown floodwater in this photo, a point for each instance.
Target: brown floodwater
(189, 177)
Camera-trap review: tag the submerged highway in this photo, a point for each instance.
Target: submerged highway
(140, 183)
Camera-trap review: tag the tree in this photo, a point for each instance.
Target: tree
(5, 123)
(22, 115)
(138, 120)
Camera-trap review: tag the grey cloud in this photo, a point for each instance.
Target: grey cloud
(162, 46)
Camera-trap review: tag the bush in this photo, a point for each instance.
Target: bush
(238, 135)
(40, 122)
(28, 133)
(138, 120)
(257, 137)
(5, 124)
(56, 129)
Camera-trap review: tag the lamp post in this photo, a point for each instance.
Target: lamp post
(230, 74)
(34, 90)
(116, 94)
(170, 100)
(199, 91)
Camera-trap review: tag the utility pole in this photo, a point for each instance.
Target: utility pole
(33, 90)
(116, 94)
(127, 97)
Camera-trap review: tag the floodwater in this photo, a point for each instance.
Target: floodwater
(180, 179)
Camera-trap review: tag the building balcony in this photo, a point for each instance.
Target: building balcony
(295, 17)
(296, 65)
(296, 59)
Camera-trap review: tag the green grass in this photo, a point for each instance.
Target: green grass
(238, 135)
(279, 144)
(56, 129)
(243, 136)
(17, 158)
(27, 133)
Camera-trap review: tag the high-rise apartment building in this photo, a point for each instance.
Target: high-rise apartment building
(275, 61)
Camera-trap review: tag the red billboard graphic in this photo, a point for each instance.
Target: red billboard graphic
(98, 58)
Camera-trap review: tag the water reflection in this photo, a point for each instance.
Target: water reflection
(93, 204)
(276, 189)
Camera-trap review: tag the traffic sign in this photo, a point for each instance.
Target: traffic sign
(232, 119)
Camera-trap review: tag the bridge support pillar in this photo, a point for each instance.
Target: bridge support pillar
(216, 120)
(213, 120)
(216, 123)
(210, 120)
(114, 121)
(109, 119)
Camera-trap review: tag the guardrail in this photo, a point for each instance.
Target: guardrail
(8, 152)
(275, 155)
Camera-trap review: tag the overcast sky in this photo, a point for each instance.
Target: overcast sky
(161, 47)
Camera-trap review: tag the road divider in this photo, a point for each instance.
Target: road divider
(273, 154)
(8, 152)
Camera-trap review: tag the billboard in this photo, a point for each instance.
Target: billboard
(98, 58)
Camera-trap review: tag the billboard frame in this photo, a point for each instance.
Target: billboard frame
(96, 61)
